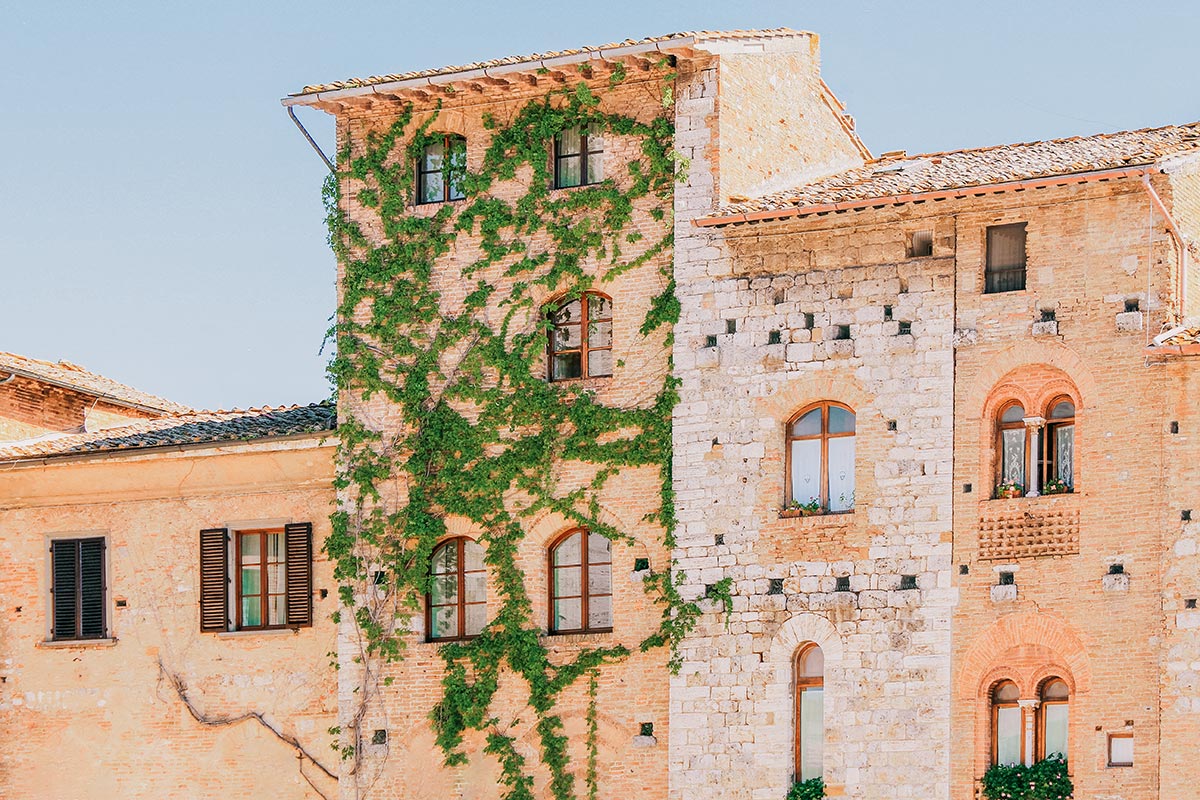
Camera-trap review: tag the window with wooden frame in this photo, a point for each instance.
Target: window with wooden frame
(269, 571)
(1012, 437)
(581, 338)
(77, 589)
(1008, 725)
(456, 606)
(1120, 749)
(581, 583)
(820, 457)
(1005, 266)
(1058, 443)
(1053, 718)
(441, 168)
(809, 670)
(578, 157)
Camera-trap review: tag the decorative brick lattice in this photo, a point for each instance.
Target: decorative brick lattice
(1028, 532)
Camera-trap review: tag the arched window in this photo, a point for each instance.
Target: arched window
(810, 712)
(820, 463)
(1011, 437)
(1058, 452)
(581, 338)
(581, 583)
(1055, 715)
(441, 168)
(1008, 725)
(456, 606)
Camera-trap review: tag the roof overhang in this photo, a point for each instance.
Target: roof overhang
(389, 88)
(981, 190)
(108, 398)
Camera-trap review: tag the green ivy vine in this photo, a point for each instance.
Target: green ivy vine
(482, 433)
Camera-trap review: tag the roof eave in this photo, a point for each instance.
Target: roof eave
(117, 401)
(1067, 179)
(555, 62)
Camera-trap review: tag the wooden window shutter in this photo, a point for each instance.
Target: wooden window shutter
(298, 552)
(214, 580)
(64, 557)
(91, 589)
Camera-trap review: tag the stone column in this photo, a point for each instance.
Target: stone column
(1032, 479)
(1029, 717)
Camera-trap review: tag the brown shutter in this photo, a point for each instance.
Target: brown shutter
(298, 551)
(65, 589)
(214, 580)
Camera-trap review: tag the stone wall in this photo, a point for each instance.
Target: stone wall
(105, 719)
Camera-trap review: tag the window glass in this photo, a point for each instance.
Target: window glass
(568, 550)
(1012, 461)
(581, 339)
(806, 470)
(1120, 751)
(1063, 410)
(1008, 735)
(457, 167)
(812, 732)
(840, 420)
(1014, 413)
(581, 583)
(1056, 715)
(458, 590)
(568, 142)
(600, 364)
(812, 665)
(841, 473)
(808, 425)
(1064, 453)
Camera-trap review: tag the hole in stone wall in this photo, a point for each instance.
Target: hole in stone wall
(776, 586)
(641, 564)
(379, 736)
(1133, 305)
(964, 569)
(841, 332)
(646, 729)
(920, 244)
(1186, 515)
(891, 424)
(966, 488)
(779, 296)
(1189, 603)
(122, 604)
(1048, 315)
(903, 328)
(710, 341)
(887, 313)
(324, 593)
(1116, 569)
(908, 581)
(719, 539)
(1007, 578)
(379, 578)
(808, 320)
(731, 326)
(1174, 427)
(843, 584)
(774, 337)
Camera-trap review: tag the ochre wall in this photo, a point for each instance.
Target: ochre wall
(105, 720)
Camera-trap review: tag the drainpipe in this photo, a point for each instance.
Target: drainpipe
(1177, 238)
(292, 113)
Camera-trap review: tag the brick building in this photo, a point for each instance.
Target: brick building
(935, 433)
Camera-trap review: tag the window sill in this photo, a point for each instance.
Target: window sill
(831, 517)
(257, 632)
(581, 637)
(76, 644)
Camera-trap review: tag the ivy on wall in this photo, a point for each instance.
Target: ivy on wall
(481, 435)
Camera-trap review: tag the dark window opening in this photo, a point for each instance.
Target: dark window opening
(1133, 305)
(964, 569)
(1116, 569)
(578, 157)
(920, 244)
(1007, 578)
(908, 581)
(731, 326)
(843, 584)
(1005, 265)
(646, 729)
(776, 586)
(887, 313)
(379, 736)
(710, 341)
(903, 328)
(441, 169)
(774, 337)
(841, 332)
(1048, 315)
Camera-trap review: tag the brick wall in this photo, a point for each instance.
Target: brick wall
(30, 408)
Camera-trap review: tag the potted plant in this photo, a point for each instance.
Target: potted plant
(797, 509)
(811, 789)
(1055, 486)
(1007, 491)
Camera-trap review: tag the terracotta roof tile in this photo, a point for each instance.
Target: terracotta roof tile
(357, 83)
(73, 376)
(1180, 341)
(193, 428)
(900, 174)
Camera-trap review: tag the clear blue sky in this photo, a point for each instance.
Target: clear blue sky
(160, 217)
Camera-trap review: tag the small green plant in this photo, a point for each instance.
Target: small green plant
(811, 789)
(1055, 486)
(808, 509)
(1045, 780)
(1010, 489)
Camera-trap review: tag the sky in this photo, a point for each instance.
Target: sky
(161, 217)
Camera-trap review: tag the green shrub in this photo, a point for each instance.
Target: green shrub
(1045, 780)
(811, 789)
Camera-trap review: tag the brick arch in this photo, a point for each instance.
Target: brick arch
(1027, 354)
(1030, 636)
(785, 398)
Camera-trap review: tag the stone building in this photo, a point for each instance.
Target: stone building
(119, 677)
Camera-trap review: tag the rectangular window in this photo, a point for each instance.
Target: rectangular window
(578, 157)
(1120, 749)
(812, 732)
(78, 589)
(920, 245)
(1010, 731)
(272, 573)
(1056, 717)
(1005, 270)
